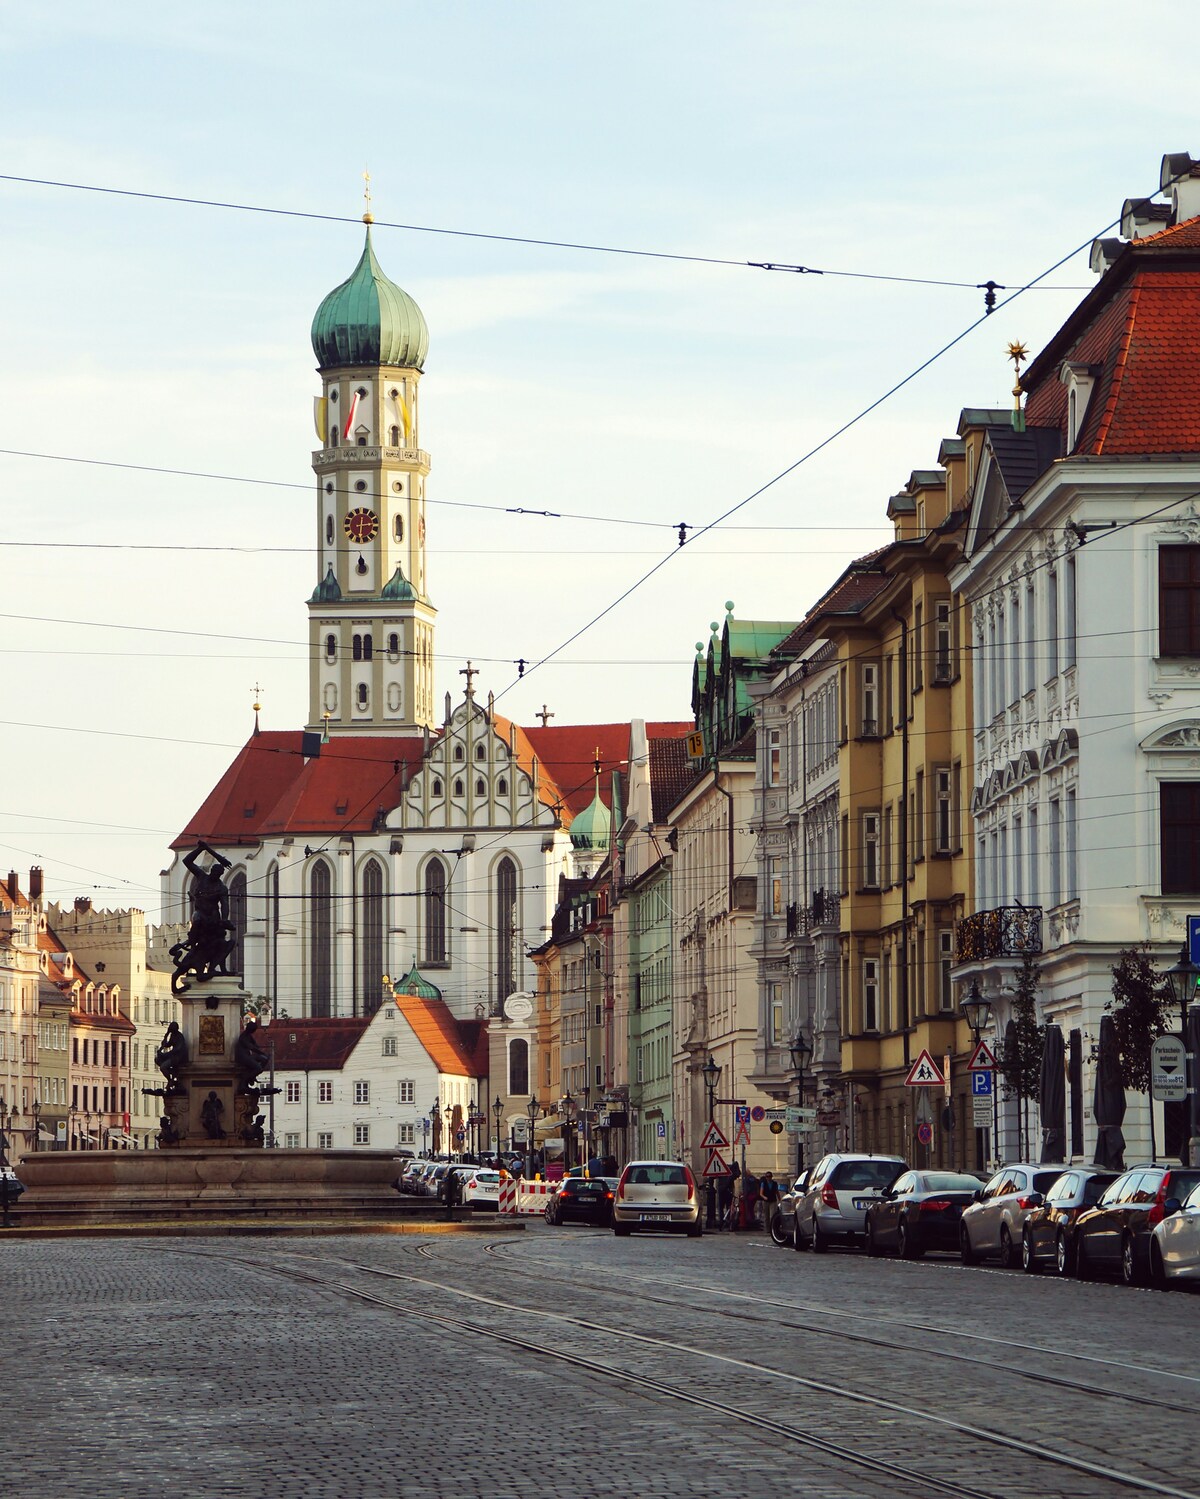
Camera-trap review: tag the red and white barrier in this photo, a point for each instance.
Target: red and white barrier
(525, 1199)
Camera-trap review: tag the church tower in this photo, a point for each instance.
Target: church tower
(370, 619)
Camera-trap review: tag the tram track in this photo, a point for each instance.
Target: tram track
(647, 1383)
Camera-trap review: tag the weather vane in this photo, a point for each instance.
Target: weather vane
(1018, 353)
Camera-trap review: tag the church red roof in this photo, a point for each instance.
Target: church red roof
(568, 753)
(455, 1046)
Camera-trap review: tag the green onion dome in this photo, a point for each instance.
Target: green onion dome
(369, 320)
(593, 825)
(416, 984)
(398, 590)
(328, 590)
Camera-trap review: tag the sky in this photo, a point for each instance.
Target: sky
(141, 610)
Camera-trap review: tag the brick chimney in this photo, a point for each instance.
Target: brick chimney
(14, 885)
(35, 883)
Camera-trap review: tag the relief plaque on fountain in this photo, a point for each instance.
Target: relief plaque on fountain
(210, 1062)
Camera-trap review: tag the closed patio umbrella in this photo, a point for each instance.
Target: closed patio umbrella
(1052, 1097)
(1108, 1101)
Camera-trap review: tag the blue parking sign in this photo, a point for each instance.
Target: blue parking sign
(981, 1084)
(1194, 939)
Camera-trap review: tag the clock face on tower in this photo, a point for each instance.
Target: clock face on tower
(361, 524)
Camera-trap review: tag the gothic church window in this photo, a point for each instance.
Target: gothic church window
(480, 787)
(371, 965)
(237, 916)
(435, 912)
(502, 787)
(506, 928)
(320, 942)
(458, 787)
(480, 752)
(458, 753)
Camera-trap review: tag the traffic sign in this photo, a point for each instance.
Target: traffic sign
(982, 1058)
(776, 1126)
(1168, 1069)
(772, 1114)
(1194, 938)
(714, 1137)
(981, 1111)
(660, 1129)
(716, 1166)
(741, 1115)
(925, 1132)
(981, 1084)
(741, 1135)
(758, 1113)
(924, 1073)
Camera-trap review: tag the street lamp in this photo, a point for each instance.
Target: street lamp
(567, 1105)
(435, 1115)
(587, 1124)
(533, 1109)
(472, 1124)
(497, 1113)
(1182, 977)
(977, 1010)
(802, 1051)
(35, 1110)
(4, 1177)
(710, 1072)
(425, 1139)
(71, 1112)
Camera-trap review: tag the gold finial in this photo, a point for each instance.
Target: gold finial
(325, 717)
(368, 216)
(1018, 353)
(257, 706)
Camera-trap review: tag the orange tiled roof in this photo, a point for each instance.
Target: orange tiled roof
(443, 1036)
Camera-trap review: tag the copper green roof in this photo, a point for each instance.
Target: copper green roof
(416, 984)
(592, 827)
(328, 590)
(397, 589)
(369, 320)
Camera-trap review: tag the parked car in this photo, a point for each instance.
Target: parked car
(480, 1188)
(1175, 1241)
(656, 1195)
(783, 1219)
(410, 1173)
(836, 1197)
(583, 1200)
(1048, 1236)
(1114, 1236)
(995, 1221)
(918, 1211)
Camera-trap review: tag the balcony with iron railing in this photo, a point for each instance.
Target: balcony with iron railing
(1002, 932)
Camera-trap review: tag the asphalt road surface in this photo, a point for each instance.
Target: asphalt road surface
(564, 1362)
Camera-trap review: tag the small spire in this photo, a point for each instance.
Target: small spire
(368, 216)
(325, 717)
(257, 707)
(1018, 353)
(470, 672)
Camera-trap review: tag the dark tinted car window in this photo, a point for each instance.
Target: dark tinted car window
(1180, 1183)
(950, 1181)
(1094, 1188)
(852, 1175)
(1044, 1180)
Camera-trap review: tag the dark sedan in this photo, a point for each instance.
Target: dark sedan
(1048, 1237)
(919, 1211)
(1115, 1235)
(583, 1200)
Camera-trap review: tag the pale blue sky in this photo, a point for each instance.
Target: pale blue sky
(933, 140)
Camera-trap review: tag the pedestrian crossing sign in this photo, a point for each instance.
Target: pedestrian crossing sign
(924, 1073)
(714, 1137)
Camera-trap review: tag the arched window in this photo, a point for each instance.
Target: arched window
(329, 529)
(371, 934)
(480, 786)
(437, 786)
(518, 1067)
(356, 648)
(506, 929)
(502, 787)
(363, 696)
(458, 787)
(395, 437)
(480, 751)
(273, 933)
(459, 754)
(398, 527)
(393, 644)
(366, 648)
(333, 436)
(362, 442)
(331, 647)
(320, 942)
(435, 911)
(237, 916)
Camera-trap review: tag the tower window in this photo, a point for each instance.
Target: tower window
(329, 489)
(366, 647)
(362, 695)
(393, 644)
(360, 485)
(329, 529)
(362, 442)
(360, 567)
(333, 436)
(361, 647)
(362, 392)
(331, 647)
(437, 786)
(502, 787)
(398, 527)
(395, 437)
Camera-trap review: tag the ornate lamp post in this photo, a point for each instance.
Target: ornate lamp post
(533, 1109)
(802, 1051)
(1183, 977)
(587, 1124)
(435, 1115)
(425, 1139)
(498, 1114)
(472, 1121)
(35, 1110)
(977, 1011)
(71, 1112)
(710, 1072)
(567, 1106)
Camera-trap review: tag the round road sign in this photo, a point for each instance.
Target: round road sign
(776, 1126)
(925, 1132)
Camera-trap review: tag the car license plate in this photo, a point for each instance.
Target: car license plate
(654, 1217)
(863, 1203)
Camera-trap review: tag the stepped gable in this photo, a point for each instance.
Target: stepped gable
(454, 1046)
(272, 789)
(320, 1044)
(1139, 331)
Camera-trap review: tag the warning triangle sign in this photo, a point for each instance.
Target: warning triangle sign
(713, 1138)
(924, 1073)
(983, 1058)
(716, 1166)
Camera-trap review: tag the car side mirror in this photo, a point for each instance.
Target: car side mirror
(886, 1195)
(977, 1195)
(1171, 1207)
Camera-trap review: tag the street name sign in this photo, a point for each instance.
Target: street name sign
(982, 1058)
(777, 1114)
(1168, 1069)
(924, 1073)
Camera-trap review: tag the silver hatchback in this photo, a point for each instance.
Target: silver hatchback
(836, 1197)
(995, 1221)
(656, 1195)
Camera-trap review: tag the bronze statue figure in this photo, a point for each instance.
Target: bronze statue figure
(255, 1132)
(210, 938)
(167, 1133)
(210, 1116)
(249, 1058)
(170, 1056)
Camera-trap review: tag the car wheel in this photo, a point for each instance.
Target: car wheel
(966, 1253)
(1008, 1255)
(873, 1248)
(1158, 1271)
(1062, 1254)
(695, 1231)
(548, 1214)
(1131, 1265)
(621, 1230)
(905, 1247)
(798, 1243)
(1083, 1264)
(1028, 1259)
(819, 1242)
(779, 1233)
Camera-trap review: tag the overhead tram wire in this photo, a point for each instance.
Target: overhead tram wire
(508, 239)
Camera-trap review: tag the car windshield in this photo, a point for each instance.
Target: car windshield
(851, 1176)
(950, 1181)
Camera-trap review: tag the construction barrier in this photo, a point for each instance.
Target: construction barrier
(522, 1198)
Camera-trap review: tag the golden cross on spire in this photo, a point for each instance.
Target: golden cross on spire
(368, 216)
(257, 705)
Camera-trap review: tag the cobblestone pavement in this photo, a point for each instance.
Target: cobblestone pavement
(245, 1366)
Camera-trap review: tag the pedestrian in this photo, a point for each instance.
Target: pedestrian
(453, 1190)
(768, 1195)
(724, 1202)
(748, 1207)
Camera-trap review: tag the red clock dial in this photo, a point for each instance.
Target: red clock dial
(361, 524)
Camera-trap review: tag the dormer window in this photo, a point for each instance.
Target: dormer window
(1080, 380)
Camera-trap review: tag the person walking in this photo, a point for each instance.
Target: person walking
(768, 1195)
